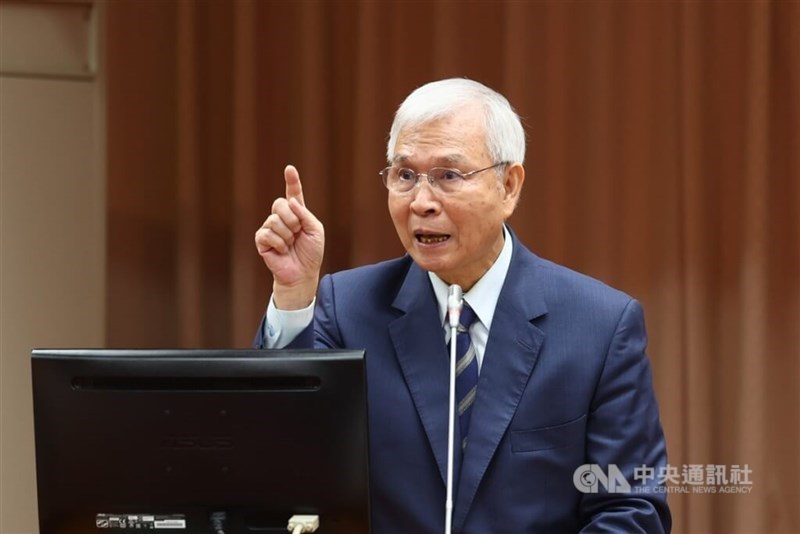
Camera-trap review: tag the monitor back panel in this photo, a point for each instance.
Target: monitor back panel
(133, 437)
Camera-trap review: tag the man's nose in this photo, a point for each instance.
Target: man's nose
(425, 199)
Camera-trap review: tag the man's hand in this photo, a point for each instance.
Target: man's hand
(292, 241)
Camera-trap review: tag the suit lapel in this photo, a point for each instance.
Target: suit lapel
(418, 340)
(510, 356)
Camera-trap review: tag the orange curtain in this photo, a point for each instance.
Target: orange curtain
(663, 158)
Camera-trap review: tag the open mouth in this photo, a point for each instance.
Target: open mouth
(432, 239)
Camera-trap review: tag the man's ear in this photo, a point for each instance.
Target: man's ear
(513, 178)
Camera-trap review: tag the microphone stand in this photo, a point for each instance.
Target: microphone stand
(454, 304)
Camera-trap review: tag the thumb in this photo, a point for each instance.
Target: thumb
(308, 221)
(294, 189)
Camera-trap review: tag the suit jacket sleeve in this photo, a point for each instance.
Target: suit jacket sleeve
(624, 430)
(322, 333)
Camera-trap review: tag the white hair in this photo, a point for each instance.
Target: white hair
(505, 137)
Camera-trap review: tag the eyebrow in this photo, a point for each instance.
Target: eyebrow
(450, 159)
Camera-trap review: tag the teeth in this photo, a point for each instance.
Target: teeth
(428, 239)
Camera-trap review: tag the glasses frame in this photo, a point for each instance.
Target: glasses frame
(384, 174)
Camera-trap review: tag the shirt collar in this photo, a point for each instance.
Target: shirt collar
(483, 296)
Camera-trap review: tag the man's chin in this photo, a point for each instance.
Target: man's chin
(427, 263)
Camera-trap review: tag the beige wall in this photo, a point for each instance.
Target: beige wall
(52, 212)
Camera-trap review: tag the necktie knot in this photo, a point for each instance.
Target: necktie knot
(467, 317)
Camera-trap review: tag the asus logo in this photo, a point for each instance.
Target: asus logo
(197, 442)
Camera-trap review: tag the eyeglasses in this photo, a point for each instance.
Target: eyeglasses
(403, 180)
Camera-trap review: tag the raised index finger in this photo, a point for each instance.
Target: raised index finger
(294, 189)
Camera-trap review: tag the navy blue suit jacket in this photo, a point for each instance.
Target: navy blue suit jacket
(564, 382)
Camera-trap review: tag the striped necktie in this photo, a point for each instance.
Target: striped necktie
(466, 371)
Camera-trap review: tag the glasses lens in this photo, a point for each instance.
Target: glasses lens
(400, 179)
(448, 180)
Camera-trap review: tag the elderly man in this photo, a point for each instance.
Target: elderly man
(554, 388)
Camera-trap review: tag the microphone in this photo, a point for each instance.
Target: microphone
(455, 302)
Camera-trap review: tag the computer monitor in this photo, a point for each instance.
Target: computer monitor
(132, 440)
